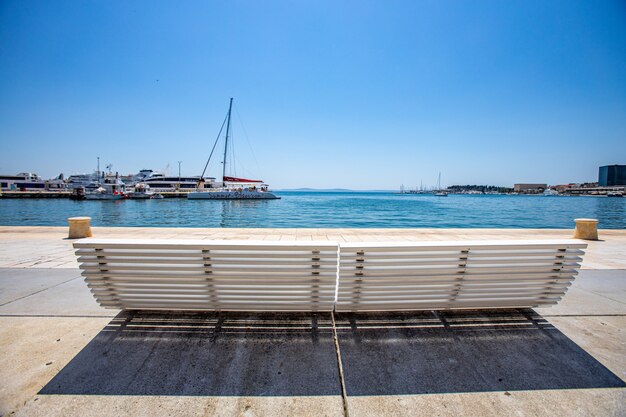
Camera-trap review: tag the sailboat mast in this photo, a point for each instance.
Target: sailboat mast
(230, 108)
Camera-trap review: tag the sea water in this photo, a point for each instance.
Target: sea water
(327, 209)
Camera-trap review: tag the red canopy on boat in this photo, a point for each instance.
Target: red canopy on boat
(235, 179)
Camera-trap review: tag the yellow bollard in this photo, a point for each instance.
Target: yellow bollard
(79, 227)
(586, 229)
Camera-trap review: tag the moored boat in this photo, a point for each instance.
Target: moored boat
(112, 188)
(28, 181)
(231, 188)
(78, 193)
(141, 191)
(160, 183)
(439, 192)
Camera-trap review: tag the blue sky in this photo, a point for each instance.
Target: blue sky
(363, 94)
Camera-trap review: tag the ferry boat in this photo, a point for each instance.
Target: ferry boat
(231, 188)
(28, 181)
(75, 181)
(161, 183)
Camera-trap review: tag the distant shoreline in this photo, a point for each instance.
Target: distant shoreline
(335, 190)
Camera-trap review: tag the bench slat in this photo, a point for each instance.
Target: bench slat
(198, 254)
(550, 253)
(93, 260)
(570, 260)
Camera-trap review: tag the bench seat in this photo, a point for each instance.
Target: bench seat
(210, 275)
(449, 275)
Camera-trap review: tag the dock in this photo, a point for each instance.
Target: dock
(55, 342)
(66, 194)
(35, 194)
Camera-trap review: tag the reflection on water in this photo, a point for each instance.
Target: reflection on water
(232, 212)
(610, 210)
(318, 209)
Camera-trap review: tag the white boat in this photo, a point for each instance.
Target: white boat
(141, 191)
(111, 188)
(161, 183)
(28, 181)
(102, 194)
(550, 192)
(228, 193)
(231, 188)
(76, 181)
(439, 192)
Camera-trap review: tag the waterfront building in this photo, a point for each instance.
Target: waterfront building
(595, 190)
(529, 188)
(561, 188)
(612, 175)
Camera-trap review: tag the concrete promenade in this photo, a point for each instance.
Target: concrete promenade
(62, 354)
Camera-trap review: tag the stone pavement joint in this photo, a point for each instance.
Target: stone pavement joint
(37, 292)
(342, 380)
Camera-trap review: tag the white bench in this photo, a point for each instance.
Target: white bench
(322, 276)
(449, 275)
(210, 275)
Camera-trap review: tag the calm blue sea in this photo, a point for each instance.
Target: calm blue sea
(326, 209)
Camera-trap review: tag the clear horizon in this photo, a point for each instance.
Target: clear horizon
(357, 95)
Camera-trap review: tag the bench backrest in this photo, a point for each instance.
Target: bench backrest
(319, 276)
(210, 275)
(446, 275)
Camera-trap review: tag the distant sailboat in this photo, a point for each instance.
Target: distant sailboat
(439, 192)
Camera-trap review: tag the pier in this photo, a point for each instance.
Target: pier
(35, 194)
(562, 360)
(66, 194)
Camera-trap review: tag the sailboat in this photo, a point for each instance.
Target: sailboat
(231, 188)
(439, 192)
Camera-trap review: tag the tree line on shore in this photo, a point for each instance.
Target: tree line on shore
(479, 188)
